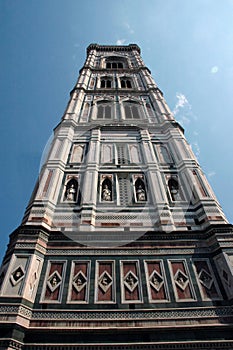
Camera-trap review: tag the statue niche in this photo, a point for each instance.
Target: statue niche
(71, 190)
(173, 188)
(140, 190)
(106, 194)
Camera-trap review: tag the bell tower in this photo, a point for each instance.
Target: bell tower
(123, 244)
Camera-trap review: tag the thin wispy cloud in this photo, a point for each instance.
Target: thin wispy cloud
(196, 148)
(184, 115)
(181, 103)
(182, 110)
(130, 29)
(211, 174)
(214, 69)
(120, 41)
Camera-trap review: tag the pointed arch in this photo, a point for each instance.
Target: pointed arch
(132, 109)
(164, 154)
(77, 154)
(104, 109)
(140, 190)
(173, 187)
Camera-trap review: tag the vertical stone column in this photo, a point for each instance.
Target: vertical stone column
(156, 185)
(90, 184)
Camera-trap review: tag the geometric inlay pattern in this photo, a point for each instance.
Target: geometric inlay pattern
(205, 278)
(130, 281)
(54, 281)
(79, 281)
(156, 280)
(181, 279)
(17, 275)
(105, 281)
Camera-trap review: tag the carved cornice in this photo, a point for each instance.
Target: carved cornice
(116, 48)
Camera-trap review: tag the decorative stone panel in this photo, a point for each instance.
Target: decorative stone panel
(105, 290)
(131, 282)
(156, 281)
(79, 284)
(181, 281)
(206, 280)
(54, 282)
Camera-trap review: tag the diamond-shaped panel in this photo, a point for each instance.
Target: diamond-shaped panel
(105, 281)
(17, 275)
(181, 279)
(79, 281)
(205, 278)
(130, 281)
(156, 280)
(54, 281)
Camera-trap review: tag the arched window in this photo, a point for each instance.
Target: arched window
(149, 110)
(173, 186)
(71, 190)
(132, 110)
(106, 190)
(126, 83)
(115, 62)
(106, 83)
(140, 190)
(104, 110)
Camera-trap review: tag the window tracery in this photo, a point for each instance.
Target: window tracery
(104, 110)
(105, 83)
(132, 110)
(126, 83)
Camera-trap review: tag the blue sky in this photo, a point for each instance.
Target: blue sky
(188, 46)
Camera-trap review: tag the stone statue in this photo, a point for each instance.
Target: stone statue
(141, 196)
(71, 193)
(106, 194)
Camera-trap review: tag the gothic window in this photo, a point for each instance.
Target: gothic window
(104, 110)
(126, 83)
(132, 110)
(71, 190)
(149, 110)
(114, 62)
(173, 188)
(114, 65)
(106, 190)
(106, 83)
(140, 190)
